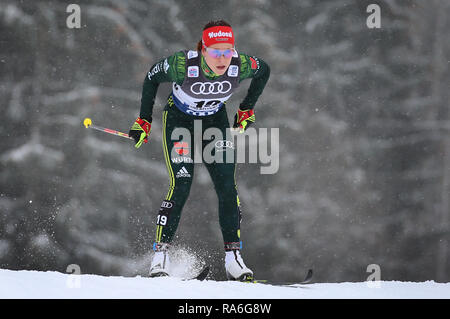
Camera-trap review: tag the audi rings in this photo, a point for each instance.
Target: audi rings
(222, 145)
(211, 87)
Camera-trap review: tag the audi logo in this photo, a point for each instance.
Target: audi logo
(224, 144)
(166, 204)
(211, 87)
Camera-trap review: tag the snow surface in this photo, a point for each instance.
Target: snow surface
(55, 285)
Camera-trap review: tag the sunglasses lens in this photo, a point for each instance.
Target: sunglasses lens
(227, 53)
(214, 53)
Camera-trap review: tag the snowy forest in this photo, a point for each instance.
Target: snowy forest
(364, 138)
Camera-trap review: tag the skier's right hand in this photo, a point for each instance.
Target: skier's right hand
(140, 131)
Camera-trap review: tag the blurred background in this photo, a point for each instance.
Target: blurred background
(364, 126)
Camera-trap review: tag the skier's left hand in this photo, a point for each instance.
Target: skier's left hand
(243, 119)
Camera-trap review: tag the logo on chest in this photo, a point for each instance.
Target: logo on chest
(211, 87)
(233, 70)
(193, 72)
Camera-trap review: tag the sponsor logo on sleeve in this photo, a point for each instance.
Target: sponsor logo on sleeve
(255, 63)
(157, 68)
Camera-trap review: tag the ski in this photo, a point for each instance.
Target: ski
(306, 280)
(201, 275)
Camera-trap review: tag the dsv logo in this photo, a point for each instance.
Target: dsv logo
(211, 87)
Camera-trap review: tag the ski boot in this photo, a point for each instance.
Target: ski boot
(160, 262)
(234, 265)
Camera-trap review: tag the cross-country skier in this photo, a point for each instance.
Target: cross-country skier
(202, 81)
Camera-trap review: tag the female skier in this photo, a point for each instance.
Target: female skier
(202, 81)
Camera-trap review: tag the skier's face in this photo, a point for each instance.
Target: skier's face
(218, 57)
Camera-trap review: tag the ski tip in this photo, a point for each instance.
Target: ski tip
(87, 122)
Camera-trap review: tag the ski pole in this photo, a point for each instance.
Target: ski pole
(88, 124)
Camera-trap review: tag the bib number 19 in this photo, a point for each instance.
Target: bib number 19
(162, 220)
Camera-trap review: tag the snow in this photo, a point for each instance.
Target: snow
(55, 285)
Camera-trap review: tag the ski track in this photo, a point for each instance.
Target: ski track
(54, 285)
